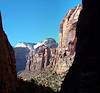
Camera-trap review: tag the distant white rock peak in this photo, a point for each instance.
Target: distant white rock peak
(21, 45)
(25, 45)
(49, 42)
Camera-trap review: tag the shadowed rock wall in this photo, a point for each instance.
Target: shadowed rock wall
(7, 64)
(83, 76)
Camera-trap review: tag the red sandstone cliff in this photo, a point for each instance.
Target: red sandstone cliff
(68, 27)
(60, 58)
(67, 40)
(83, 76)
(7, 64)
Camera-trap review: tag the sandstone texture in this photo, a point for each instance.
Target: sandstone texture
(83, 76)
(9, 83)
(48, 54)
(46, 62)
(67, 33)
(41, 56)
(77, 55)
(67, 40)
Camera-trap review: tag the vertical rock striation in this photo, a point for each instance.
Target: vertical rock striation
(67, 40)
(39, 58)
(68, 27)
(47, 53)
(42, 56)
(7, 64)
(83, 76)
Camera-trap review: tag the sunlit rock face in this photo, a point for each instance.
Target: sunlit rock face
(39, 58)
(67, 40)
(31, 56)
(46, 53)
(7, 64)
(68, 27)
(83, 76)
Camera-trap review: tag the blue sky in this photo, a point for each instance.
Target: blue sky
(33, 20)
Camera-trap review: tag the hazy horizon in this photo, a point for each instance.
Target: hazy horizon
(33, 20)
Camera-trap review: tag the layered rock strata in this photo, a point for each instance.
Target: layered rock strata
(61, 57)
(42, 57)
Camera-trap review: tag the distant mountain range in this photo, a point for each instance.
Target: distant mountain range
(54, 62)
(22, 50)
(48, 62)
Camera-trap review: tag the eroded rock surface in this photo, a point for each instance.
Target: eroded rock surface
(67, 40)
(83, 76)
(52, 63)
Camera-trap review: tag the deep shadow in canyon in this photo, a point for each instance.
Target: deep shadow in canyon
(83, 76)
(32, 87)
(9, 83)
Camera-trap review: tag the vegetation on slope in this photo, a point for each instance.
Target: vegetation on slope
(49, 79)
